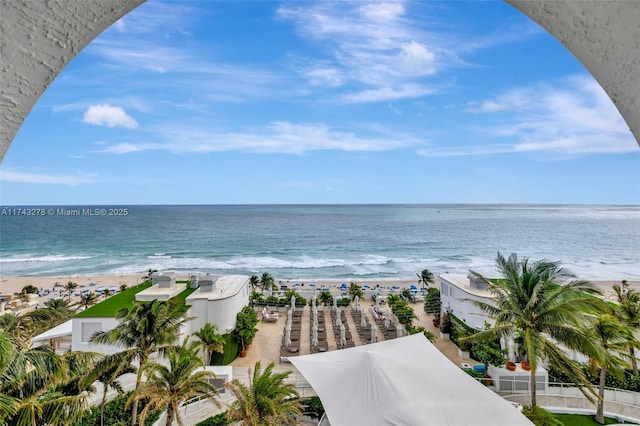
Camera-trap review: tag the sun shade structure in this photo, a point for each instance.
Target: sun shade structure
(405, 381)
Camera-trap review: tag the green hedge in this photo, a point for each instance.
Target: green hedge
(116, 413)
(630, 382)
(217, 420)
(313, 407)
(230, 353)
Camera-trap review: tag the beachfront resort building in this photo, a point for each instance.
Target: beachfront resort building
(213, 299)
(458, 294)
(217, 300)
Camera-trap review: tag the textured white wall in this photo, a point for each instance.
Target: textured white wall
(39, 38)
(604, 35)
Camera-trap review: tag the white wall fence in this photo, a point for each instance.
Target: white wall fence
(566, 397)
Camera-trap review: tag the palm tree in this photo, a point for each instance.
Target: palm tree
(547, 314)
(106, 293)
(150, 272)
(426, 277)
(123, 287)
(254, 281)
(629, 311)
(355, 290)
(144, 329)
(167, 387)
(266, 280)
(612, 338)
(29, 381)
(107, 371)
(88, 299)
(210, 341)
(70, 286)
(267, 400)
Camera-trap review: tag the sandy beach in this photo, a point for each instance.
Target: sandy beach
(10, 285)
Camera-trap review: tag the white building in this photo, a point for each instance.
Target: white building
(458, 294)
(217, 300)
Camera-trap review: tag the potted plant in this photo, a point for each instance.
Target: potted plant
(464, 346)
(245, 330)
(445, 326)
(436, 320)
(511, 366)
(525, 365)
(488, 352)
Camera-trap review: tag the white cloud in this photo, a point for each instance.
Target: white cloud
(373, 45)
(277, 137)
(569, 117)
(388, 93)
(119, 25)
(325, 76)
(18, 177)
(110, 116)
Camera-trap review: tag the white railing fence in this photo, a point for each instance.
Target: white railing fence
(566, 397)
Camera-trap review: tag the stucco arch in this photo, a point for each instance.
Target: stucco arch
(39, 38)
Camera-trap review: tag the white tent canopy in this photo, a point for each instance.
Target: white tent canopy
(405, 381)
(64, 329)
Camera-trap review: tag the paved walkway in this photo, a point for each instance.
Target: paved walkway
(266, 345)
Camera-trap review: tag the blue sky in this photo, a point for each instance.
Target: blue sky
(323, 102)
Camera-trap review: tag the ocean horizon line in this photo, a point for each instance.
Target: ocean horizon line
(407, 204)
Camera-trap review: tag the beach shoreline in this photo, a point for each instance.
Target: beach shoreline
(10, 285)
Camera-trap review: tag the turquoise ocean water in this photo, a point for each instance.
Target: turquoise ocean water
(317, 242)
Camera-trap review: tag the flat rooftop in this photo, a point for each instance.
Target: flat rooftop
(462, 282)
(224, 287)
(156, 292)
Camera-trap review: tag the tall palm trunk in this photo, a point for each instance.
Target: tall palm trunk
(134, 404)
(104, 401)
(600, 410)
(170, 414)
(634, 361)
(533, 389)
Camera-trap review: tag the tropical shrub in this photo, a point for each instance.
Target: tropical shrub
(273, 300)
(245, 331)
(116, 413)
(325, 298)
(231, 349)
(540, 416)
(343, 301)
(445, 323)
(217, 420)
(313, 407)
(256, 298)
(300, 300)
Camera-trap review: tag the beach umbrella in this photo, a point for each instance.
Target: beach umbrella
(363, 319)
(374, 328)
